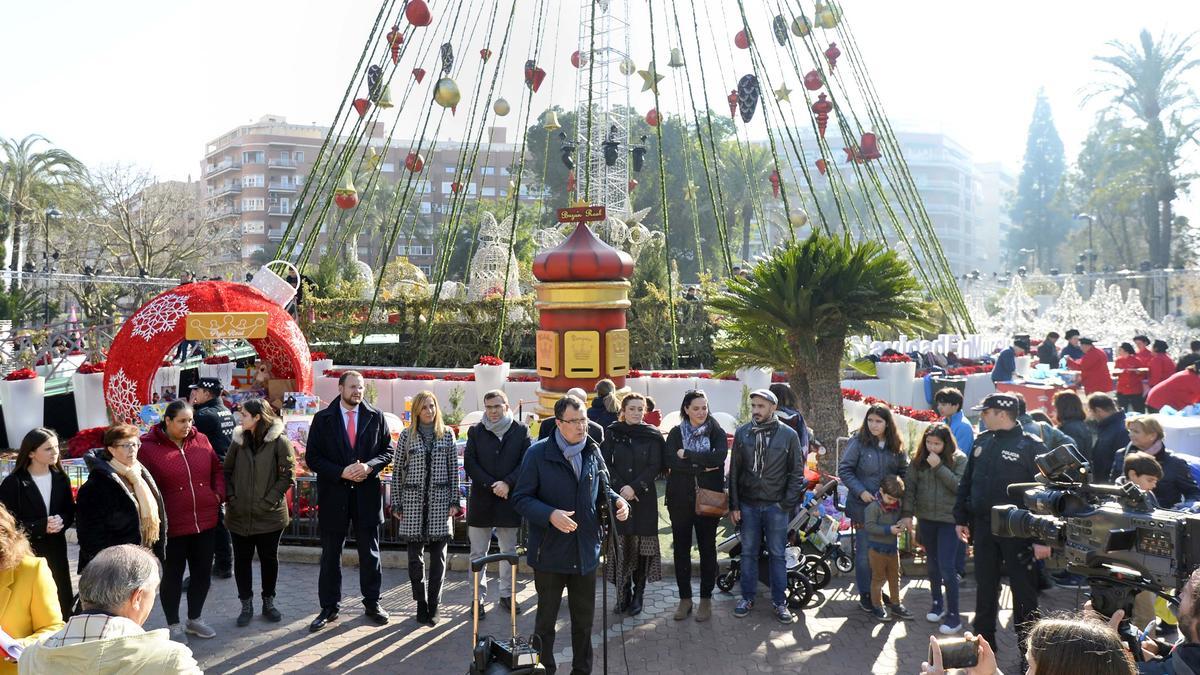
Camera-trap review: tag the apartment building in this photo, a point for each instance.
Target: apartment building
(254, 173)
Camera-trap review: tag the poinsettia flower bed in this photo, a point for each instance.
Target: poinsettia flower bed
(85, 440)
(969, 370)
(21, 374)
(459, 378)
(852, 394)
(526, 378)
(91, 368)
(896, 358)
(216, 360)
(318, 356)
(489, 360)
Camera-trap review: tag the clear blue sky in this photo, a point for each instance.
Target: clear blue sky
(150, 82)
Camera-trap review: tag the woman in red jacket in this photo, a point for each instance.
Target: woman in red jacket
(192, 483)
(1093, 367)
(1129, 382)
(1178, 391)
(1161, 364)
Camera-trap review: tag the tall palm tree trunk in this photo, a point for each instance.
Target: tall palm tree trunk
(824, 412)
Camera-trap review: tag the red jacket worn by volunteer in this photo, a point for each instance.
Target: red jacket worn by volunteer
(1178, 391)
(1161, 367)
(1129, 382)
(191, 479)
(1093, 368)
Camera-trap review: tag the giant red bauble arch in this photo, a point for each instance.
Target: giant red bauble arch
(151, 333)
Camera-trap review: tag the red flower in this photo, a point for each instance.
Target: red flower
(775, 377)
(166, 363)
(44, 360)
(852, 394)
(634, 372)
(318, 356)
(523, 378)
(75, 352)
(91, 368)
(895, 358)
(332, 372)
(21, 374)
(489, 360)
(871, 400)
(216, 360)
(85, 440)
(459, 378)
(925, 416)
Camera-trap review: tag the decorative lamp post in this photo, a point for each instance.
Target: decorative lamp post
(582, 294)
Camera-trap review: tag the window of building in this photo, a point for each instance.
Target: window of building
(253, 227)
(388, 167)
(448, 169)
(427, 269)
(298, 155)
(253, 204)
(488, 171)
(504, 171)
(425, 187)
(426, 207)
(285, 155)
(250, 250)
(253, 157)
(447, 187)
(489, 192)
(252, 180)
(503, 192)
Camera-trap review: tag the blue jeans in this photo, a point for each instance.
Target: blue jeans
(941, 552)
(862, 563)
(757, 521)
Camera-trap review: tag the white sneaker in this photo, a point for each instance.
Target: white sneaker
(177, 633)
(200, 629)
(946, 629)
(934, 617)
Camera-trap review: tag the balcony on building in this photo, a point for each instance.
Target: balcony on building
(223, 212)
(277, 163)
(232, 187)
(275, 233)
(281, 186)
(222, 167)
(278, 210)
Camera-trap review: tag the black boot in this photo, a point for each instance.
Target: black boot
(269, 611)
(639, 588)
(422, 612)
(247, 612)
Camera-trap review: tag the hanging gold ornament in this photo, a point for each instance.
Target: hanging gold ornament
(799, 218)
(689, 191)
(782, 93)
(446, 93)
(550, 122)
(501, 107)
(801, 26)
(650, 78)
(827, 16)
(385, 97)
(627, 67)
(676, 58)
(373, 158)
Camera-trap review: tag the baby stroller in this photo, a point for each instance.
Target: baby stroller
(817, 537)
(800, 589)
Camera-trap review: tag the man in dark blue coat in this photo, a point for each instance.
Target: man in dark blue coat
(559, 493)
(348, 445)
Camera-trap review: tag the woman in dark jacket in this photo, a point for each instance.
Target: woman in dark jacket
(260, 466)
(38, 495)
(119, 503)
(874, 453)
(1072, 421)
(633, 451)
(606, 408)
(192, 481)
(492, 460)
(696, 452)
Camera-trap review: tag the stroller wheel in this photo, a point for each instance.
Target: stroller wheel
(800, 590)
(817, 570)
(726, 581)
(844, 564)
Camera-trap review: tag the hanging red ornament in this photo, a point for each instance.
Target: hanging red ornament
(652, 117)
(852, 155)
(741, 40)
(576, 60)
(774, 183)
(419, 73)
(868, 147)
(832, 54)
(362, 105)
(812, 80)
(571, 181)
(395, 38)
(821, 166)
(417, 13)
(414, 162)
(733, 102)
(632, 184)
(533, 76)
(455, 187)
(346, 201)
(485, 54)
(822, 108)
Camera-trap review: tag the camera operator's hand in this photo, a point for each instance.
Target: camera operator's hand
(986, 663)
(1041, 551)
(964, 533)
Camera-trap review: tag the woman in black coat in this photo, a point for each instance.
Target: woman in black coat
(38, 495)
(633, 451)
(120, 502)
(492, 459)
(696, 452)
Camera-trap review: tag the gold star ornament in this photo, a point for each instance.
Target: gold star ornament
(782, 93)
(650, 78)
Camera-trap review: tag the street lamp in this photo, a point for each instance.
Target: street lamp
(49, 213)
(1032, 253)
(1091, 252)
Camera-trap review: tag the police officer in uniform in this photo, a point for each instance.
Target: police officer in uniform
(1001, 456)
(216, 422)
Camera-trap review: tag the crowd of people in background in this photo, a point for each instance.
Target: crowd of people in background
(205, 481)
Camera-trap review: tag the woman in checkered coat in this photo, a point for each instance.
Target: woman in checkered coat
(425, 497)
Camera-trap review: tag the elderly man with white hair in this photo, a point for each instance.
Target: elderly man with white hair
(117, 590)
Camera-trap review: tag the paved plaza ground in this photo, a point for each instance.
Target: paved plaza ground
(833, 637)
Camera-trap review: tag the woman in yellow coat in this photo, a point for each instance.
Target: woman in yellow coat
(28, 597)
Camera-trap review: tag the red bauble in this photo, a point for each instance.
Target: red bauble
(575, 59)
(419, 73)
(362, 105)
(733, 102)
(812, 80)
(775, 183)
(821, 166)
(832, 54)
(633, 184)
(822, 108)
(414, 162)
(534, 77)
(417, 13)
(455, 187)
(485, 54)
(741, 41)
(652, 117)
(346, 201)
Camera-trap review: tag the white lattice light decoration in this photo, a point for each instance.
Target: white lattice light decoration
(494, 268)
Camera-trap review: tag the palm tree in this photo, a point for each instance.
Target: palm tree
(797, 307)
(27, 183)
(745, 180)
(1148, 81)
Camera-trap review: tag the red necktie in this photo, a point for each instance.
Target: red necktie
(350, 430)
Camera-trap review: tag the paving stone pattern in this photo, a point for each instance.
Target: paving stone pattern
(832, 637)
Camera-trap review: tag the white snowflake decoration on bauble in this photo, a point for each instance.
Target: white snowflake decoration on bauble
(122, 396)
(160, 316)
